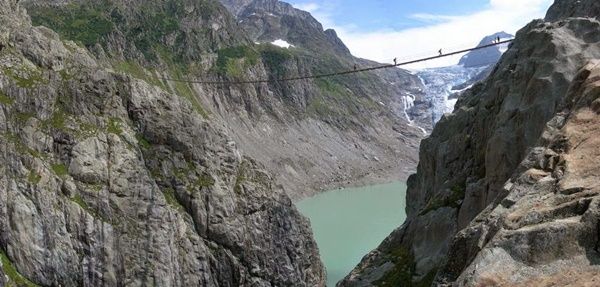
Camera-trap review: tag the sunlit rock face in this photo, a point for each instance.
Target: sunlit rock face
(506, 193)
(107, 179)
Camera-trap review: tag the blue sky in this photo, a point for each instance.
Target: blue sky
(378, 14)
(384, 29)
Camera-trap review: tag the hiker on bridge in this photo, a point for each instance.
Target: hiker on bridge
(440, 51)
(395, 61)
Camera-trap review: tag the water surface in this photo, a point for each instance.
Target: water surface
(349, 223)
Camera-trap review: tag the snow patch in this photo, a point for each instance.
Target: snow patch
(282, 44)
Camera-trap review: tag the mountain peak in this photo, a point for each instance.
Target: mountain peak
(266, 21)
(487, 56)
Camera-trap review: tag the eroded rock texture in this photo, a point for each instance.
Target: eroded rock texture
(521, 148)
(106, 180)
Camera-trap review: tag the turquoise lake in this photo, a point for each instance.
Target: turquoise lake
(349, 223)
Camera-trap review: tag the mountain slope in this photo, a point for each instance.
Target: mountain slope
(109, 180)
(510, 149)
(313, 134)
(366, 147)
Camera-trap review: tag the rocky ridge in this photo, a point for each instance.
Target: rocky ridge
(110, 179)
(506, 190)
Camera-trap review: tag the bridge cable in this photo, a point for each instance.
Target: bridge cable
(327, 75)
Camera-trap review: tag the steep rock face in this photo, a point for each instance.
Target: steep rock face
(107, 180)
(545, 231)
(312, 134)
(472, 153)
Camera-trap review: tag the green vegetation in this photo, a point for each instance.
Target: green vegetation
(86, 130)
(25, 77)
(22, 117)
(186, 91)
(453, 200)
(240, 178)
(80, 22)
(19, 146)
(232, 61)
(114, 126)
(153, 28)
(401, 275)
(131, 68)
(137, 71)
(319, 107)
(204, 180)
(34, 178)
(5, 100)
(142, 141)
(60, 169)
(79, 200)
(15, 278)
(171, 198)
(58, 119)
(274, 58)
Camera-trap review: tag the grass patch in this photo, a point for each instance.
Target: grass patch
(33, 177)
(186, 91)
(171, 198)
(86, 130)
(79, 201)
(114, 126)
(22, 118)
(15, 278)
(58, 120)
(143, 142)
(232, 61)
(25, 77)
(204, 180)
(60, 169)
(5, 100)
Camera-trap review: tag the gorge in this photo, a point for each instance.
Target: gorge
(119, 166)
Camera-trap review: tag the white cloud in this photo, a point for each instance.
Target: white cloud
(426, 17)
(448, 32)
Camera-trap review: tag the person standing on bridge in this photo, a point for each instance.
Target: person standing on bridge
(395, 61)
(440, 51)
(498, 39)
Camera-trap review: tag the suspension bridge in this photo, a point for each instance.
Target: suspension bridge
(344, 72)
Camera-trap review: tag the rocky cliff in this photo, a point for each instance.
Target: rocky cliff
(506, 192)
(111, 177)
(312, 135)
(371, 140)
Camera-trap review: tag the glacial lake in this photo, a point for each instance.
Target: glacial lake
(349, 223)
